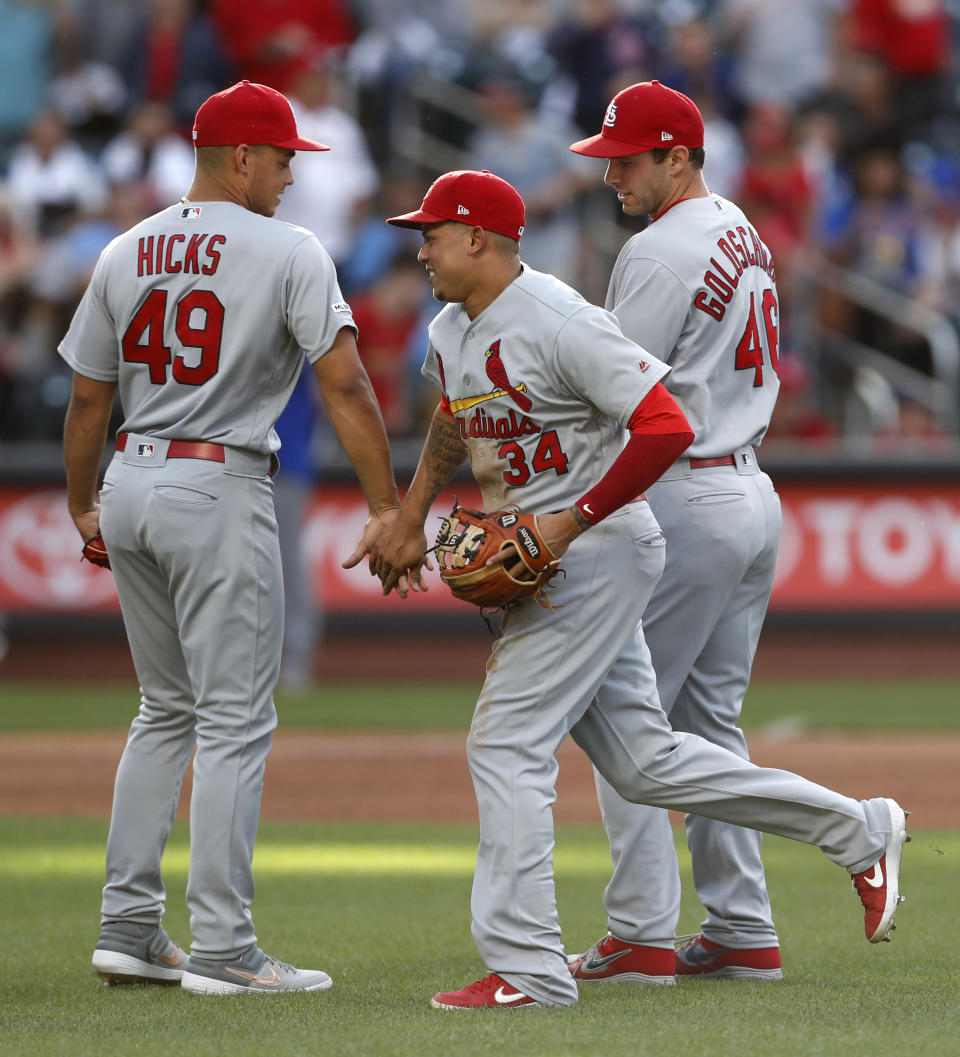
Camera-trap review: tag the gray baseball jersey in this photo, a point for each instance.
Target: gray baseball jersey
(200, 314)
(209, 307)
(697, 288)
(541, 384)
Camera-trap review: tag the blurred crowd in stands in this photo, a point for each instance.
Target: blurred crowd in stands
(834, 123)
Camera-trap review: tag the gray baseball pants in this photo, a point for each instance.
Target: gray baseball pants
(584, 669)
(193, 546)
(702, 626)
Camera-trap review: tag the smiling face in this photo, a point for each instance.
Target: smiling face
(445, 255)
(642, 186)
(269, 175)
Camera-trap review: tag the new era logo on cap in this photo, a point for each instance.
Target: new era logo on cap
(463, 211)
(664, 136)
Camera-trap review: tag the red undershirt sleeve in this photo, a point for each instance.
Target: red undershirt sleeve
(659, 433)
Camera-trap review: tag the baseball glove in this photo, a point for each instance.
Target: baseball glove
(95, 551)
(468, 539)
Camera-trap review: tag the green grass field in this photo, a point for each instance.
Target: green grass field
(385, 910)
(917, 705)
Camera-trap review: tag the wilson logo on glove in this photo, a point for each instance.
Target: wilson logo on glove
(468, 539)
(529, 542)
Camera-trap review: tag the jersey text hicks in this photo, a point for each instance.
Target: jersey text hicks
(176, 253)
(738, 250)
(481, 424)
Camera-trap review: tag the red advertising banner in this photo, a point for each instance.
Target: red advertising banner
(846, 547)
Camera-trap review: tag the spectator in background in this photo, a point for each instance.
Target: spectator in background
(25, 43)
(864, 103)
(601, 48)
(514, 31)
(266, 39)
(693, 63)
(375, 244)
(176, 58)
(913, 41)
(723, 169)
(398, 40)
(164, 50)
(331, 195)
(531, 153)
(106, 31)
(88, 94)
(19, 252)
(151, 153)
(886, 235)
(51, 175)
(387, 314)
(784, 50)
(303, 614)
(54, 289)
(775, 192)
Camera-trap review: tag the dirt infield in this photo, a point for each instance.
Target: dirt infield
(423, 777)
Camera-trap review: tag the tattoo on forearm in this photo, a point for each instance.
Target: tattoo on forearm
(443, 454)
(580, 518)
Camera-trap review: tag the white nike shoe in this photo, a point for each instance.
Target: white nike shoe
(253, 972)
(878, 887)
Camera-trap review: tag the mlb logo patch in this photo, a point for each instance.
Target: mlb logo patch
(190, 213)
(145, 451)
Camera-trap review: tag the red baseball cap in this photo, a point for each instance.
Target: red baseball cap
(249, 113)
(642, 117)
(468, 197)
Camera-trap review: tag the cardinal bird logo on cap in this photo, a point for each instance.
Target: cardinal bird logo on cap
(497, 374)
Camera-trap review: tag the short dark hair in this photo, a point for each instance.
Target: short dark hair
(697, 156)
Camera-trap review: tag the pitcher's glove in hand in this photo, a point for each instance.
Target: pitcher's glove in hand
(95, 551)
(468, 539)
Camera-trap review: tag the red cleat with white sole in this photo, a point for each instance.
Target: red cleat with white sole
(613, 960)
(704, 958)
(492, 992)
(878, 887)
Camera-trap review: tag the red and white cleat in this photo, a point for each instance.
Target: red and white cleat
(492, 992)
(878, 887)
(704, 958)
(613, 960)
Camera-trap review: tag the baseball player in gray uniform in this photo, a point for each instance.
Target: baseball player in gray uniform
(201, 316)
(695, 288)
(572, 423)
